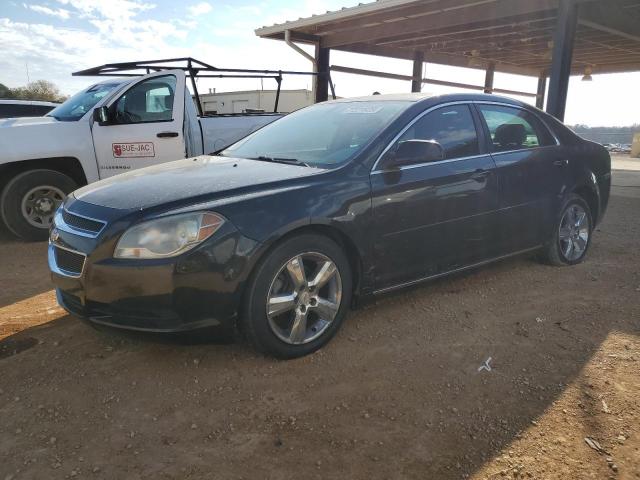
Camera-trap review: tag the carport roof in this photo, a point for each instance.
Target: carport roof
(514, 35)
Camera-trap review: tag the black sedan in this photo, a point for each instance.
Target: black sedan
(281, 233)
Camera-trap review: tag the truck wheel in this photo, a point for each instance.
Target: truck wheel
(29, 201)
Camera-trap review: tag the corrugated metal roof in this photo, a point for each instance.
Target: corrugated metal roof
(516, 36)
(332, 15)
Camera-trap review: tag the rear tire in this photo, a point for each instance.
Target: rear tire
(297, 297)
(571, 235)
(29, 200)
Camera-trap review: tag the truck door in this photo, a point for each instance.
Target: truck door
(145, 125)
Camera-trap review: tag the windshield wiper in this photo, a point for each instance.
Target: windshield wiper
(290, 161)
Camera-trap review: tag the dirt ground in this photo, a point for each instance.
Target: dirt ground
(399, 393)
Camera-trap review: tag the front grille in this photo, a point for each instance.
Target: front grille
(69, 261)
(86, 224)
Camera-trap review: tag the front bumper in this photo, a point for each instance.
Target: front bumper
(201, 288)
(157, 320)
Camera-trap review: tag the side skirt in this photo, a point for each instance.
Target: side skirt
(456, 270)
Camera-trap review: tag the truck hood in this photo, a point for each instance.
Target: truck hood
(189, 181)
(45, 137)
(26, 121)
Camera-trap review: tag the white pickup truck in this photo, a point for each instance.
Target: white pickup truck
(109, 128)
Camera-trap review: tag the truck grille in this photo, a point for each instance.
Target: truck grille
(68, 261)
(82, 223)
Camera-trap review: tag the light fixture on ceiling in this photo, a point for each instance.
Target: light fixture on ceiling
(475, 60)
(587, 75)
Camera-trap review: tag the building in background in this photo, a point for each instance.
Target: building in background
(254, 100)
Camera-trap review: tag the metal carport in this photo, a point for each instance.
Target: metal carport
(548, 39)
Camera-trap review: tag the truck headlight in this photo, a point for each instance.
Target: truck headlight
(167, 237)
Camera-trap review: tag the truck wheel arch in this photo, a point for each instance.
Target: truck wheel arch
(70, 166)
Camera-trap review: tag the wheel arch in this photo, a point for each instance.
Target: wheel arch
(70, 166)
(588, 189)
(327, 230)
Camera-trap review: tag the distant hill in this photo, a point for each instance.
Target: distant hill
(607, 134)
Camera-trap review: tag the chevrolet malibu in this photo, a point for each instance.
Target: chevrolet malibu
(281, 233)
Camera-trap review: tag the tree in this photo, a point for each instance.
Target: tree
(5, 92)
(39, 90)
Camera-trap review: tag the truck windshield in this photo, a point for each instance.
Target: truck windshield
(322, 135)
(75, 107)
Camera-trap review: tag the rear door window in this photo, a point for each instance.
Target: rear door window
(514, 129)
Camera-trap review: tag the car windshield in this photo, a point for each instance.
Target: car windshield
(323, 135)
(75, 108)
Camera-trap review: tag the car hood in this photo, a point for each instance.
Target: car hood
(26, 121)
(192, 180)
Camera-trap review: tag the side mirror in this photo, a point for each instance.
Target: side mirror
(411, 152)
(101, 115)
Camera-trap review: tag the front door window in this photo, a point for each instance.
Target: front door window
(148, 101)
(452, 127)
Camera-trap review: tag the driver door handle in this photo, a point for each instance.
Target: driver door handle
(561, 163)
(479, 174)
(167, 134)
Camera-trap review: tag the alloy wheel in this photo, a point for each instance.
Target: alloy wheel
(304, 298)
(574, 232)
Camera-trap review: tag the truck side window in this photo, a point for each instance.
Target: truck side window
(40, 110)
(14, 110)
(148, 101)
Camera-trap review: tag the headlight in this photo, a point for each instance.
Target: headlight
(167, 237)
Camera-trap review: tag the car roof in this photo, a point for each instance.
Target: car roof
(28, 102)
(433, 99)
(407, 97)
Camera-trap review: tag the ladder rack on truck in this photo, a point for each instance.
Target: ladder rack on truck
(194, 69)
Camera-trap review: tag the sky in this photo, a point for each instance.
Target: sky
(50, 39)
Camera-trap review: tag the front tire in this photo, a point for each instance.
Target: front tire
(571, 235)
(298, 297)
(29, 201)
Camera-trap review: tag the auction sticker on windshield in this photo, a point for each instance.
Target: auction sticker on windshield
(135, 149)
(364, 108)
